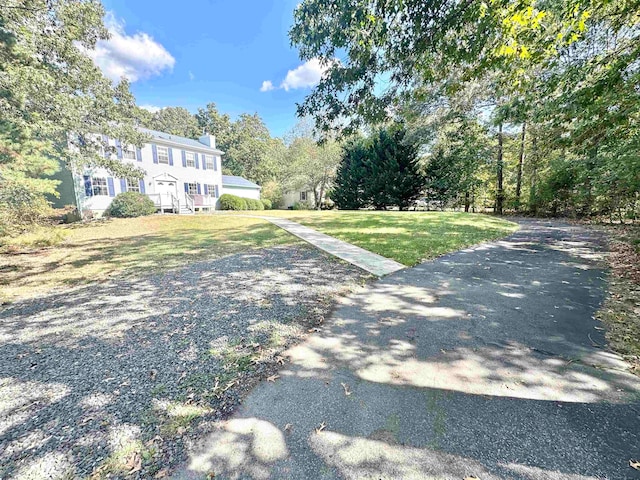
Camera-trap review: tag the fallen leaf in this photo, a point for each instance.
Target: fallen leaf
(471, 478)
(634, 464)
(134, 463)
(321, 427)
(347, 392)
(153, 374)
(280, 360)
(288, 427)
(162, 473)
(273, 378)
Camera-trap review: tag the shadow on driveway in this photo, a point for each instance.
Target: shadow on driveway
(487, 362)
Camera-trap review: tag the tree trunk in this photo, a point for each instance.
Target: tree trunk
(319, 202)
(520, 164)
(467, 201)
(533, 196)
(499, 190)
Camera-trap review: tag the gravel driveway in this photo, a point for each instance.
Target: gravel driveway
(118, 378)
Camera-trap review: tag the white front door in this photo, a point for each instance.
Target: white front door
(166, 188)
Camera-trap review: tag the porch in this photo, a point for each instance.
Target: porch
(184, 203)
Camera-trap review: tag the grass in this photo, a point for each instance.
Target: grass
(407, 237)
(101, 250)
(70, 255)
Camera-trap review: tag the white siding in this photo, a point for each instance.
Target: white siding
(289, 198)
(98, 204)
(253, 193)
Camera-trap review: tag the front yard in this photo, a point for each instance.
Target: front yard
(128, 339)
(407, 237)
(102, 250)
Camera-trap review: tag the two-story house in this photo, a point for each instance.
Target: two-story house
(182, 175)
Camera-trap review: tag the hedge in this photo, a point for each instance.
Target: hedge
(131, 204)
(232, 202)
(267, 204)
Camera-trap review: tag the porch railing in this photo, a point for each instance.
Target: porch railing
(165, 201)
(190, 202)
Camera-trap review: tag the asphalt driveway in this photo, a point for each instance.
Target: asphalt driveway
(486, 363)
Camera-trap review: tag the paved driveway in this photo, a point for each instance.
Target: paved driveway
(487, 363)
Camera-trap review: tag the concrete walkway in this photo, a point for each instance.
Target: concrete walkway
(483, 363)
(366, 260)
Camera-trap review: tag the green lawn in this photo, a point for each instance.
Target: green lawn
(100, 250)
(407, 237)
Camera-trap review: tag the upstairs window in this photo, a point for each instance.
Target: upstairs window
(129, 154)
(209, 162)
(191, 159)
(133, 185)
(163, 155)
(99, 186)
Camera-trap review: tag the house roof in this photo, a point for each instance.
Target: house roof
(187, 142)
(233, 181)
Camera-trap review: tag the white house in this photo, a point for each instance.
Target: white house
(181, 176)
(289, 199)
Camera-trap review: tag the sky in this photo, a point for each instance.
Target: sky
(189, 53)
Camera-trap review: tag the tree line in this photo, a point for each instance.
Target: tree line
(526, 106)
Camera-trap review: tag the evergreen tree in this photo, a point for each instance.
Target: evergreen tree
(393, 174)
(348, 190)
(382, 171)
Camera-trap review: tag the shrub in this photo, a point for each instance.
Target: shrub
(300, 206)
(255, 204)
(131, 204)
(232, 202)
(266, 203)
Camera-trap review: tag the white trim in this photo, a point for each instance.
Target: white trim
(184, 146)
(165, 176)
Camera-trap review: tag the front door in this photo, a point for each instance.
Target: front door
(166, 189)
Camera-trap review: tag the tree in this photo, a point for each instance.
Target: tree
(176, 121)
(348, 190)
(397, 43)
(394, 177)
(213, 122)
(381, 171)
(313, 166)
(52, 96)
(462, 148)
(246, 146)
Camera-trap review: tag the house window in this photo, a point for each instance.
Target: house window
(303, 196)
(133, 185)
(163, 155)
(99, 186)
(192, 188)
(129, 154)
(211, 190)
(190, 158)
(209, 159)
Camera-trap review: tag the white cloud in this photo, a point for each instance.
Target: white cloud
(151, 108)
(136, 56)
(192, 77)
(266, 86)
(306, 75)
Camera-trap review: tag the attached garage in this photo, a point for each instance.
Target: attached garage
(240, 187)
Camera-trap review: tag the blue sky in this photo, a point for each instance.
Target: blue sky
(189, 53)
